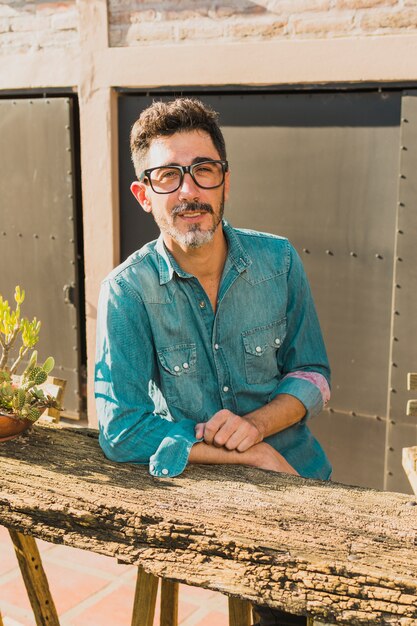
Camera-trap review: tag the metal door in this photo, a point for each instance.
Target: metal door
(38, 229)
(323, 170)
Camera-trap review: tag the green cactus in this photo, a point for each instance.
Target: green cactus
(22, 399)
(38, 376)
(33, 414)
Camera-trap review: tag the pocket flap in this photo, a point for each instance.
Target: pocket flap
(179, 359)
(258, 340)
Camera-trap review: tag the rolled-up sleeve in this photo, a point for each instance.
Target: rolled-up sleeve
(134, 421)
(302, 359)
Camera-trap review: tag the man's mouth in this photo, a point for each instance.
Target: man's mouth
(191, 210)
(189, 214)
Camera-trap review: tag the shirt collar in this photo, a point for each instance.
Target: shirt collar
(167, 265)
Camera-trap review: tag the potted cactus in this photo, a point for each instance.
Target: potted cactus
(22, 402)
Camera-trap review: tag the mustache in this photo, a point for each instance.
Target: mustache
(192, 206)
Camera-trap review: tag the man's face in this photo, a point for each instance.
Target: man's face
(190, 216)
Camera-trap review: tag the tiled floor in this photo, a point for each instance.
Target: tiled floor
(92, 590)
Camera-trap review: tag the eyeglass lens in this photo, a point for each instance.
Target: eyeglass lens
(206, 175)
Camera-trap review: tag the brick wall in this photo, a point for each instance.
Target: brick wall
(32, 26)
(140, 22)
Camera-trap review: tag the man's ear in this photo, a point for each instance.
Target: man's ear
(140, 191)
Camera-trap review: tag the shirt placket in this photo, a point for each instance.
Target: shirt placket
(224, 380)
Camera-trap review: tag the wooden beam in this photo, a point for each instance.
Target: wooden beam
(169, 603)
(240, 612)
(35, 579)
(145, 599)
(337, 553)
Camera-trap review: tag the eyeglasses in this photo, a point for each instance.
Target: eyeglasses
(166, 179)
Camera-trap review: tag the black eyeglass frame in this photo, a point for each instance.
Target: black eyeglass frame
(184, 169)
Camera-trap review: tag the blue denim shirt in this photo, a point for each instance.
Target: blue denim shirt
(166, 361)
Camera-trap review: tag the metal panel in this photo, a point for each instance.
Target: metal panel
(402, 430)
(354, 442)
(330, 185)
(37, 230)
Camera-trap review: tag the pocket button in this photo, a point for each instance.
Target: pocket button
(277, 341)
(185, 366)
(259, 349)
(177, 368)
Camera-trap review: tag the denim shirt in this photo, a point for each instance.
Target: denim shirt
(166, 361)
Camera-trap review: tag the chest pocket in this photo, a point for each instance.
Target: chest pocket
(180, 381)
(260, 351)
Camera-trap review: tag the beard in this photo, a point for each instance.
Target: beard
(195, 236)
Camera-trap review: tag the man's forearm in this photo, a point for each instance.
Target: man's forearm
(281, 413)
(261, 455)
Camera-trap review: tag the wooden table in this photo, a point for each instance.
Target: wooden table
(340, 554)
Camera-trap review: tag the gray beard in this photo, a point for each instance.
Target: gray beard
(195, 237)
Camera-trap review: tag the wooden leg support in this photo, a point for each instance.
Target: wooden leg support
(145, 599)
(240, 612)
(169, 603)
(35, 579)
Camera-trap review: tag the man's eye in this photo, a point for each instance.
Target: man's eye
(204, 169)
(168, 174)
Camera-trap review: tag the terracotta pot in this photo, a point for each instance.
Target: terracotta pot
(11, 427)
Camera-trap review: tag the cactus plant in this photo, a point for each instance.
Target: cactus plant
(21, 398)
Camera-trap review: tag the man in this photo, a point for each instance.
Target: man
(208, 344)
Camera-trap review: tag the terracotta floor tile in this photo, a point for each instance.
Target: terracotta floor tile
(18, 620)
(115, 609)
(196, 592)
(14, 592)
(85, 558)
(214, 618)
(4, 533)
(68, 588)
(8, 560)
(44, 546)
(10, 621)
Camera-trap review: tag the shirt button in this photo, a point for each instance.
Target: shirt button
(216, 346)
(177, 368)
(185, 366)
(202, 304)
(277, 341)
(225, 389)
(258, 349)
(164, 471)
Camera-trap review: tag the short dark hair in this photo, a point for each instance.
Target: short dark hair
(168, 118)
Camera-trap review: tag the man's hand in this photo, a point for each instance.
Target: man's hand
(230, 431)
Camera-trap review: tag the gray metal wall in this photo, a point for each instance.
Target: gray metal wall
(333, 172)
(38, 229)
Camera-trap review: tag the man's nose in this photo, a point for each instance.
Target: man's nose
(188, 187)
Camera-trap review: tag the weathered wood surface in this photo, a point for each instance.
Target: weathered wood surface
(344, 555)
